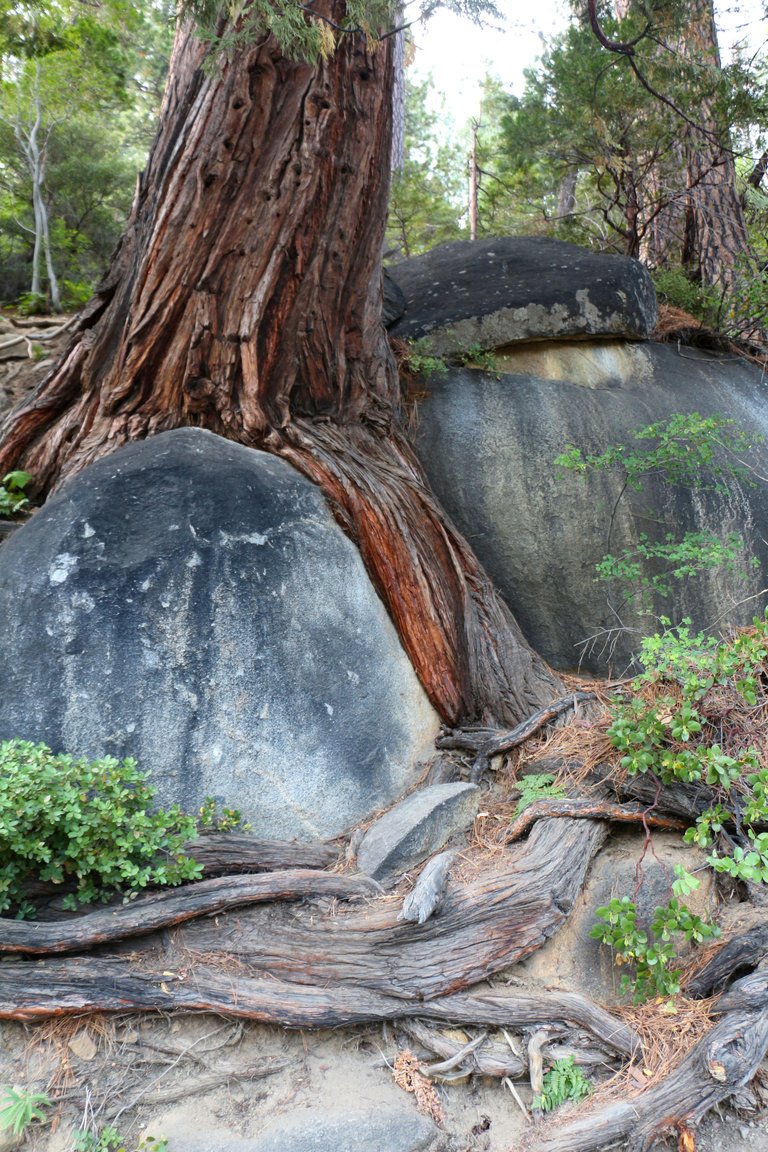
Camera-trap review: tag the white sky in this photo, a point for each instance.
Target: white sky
(459, 54)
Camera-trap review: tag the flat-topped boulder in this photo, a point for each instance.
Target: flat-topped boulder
(192, 603)
(488, 293)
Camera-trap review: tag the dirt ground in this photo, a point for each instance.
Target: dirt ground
(187, 1075)
(204, 1080)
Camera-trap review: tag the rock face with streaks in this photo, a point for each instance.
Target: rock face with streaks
(539, 530)
(192, 603)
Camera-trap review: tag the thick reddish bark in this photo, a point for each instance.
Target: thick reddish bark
(246, 298)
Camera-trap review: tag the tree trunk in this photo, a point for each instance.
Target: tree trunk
(716, 235)
(35, 158)
(245, 298)
(566, 195)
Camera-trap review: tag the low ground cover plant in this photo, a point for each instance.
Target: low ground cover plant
(564, 1081)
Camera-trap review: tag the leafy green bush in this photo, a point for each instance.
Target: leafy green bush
(12, 498)
(75, 294)
(63, 818)
(652, 956)
(32, 303)
(419, 360)
(702, 301)
(671, 725)
(213, 818)
(563, 1081)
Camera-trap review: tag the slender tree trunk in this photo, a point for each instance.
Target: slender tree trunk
(566, 194)
(473, 183)
(664, 200)
(245, 298)
(35, 157)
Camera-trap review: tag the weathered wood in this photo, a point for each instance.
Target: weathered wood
(589, 810)
(491, 1058)
(428, 893)
(226, 853)
(723, 1061)
(743, 952)
(161, 910)
(486, 924)
(687, 801)
(487, 743)
(33, 990)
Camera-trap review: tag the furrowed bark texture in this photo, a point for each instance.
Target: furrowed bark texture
(486, 924)
(245, 298)
(64, 988)
(715, 230)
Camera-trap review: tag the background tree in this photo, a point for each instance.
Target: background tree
(637, 121)
(76, 100)
(428, 197)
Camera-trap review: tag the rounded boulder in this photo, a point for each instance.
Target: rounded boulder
(192, 603)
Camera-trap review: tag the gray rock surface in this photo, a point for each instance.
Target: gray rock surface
(394, 301)
(388, 1130)
(416, 828)
(192, 603)
(490, 293)
(488, 445)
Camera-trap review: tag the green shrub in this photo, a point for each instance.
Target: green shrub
(419, 360)
(702, 301)
(75, 294)
(653, 954)
(672, 725)
(12, 498)
(32, 303)
(213, 818)
(91, 822)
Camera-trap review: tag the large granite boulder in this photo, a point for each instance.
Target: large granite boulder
(192, 603)
(488, 443)
(485, 294)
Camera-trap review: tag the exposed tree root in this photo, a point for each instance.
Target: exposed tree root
(171, 907)
(328, 965)
(723, 1061)
(33, 991)
(224, 853)
(488, 742)
(590, 810)
(737, 955)
(504, 914)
